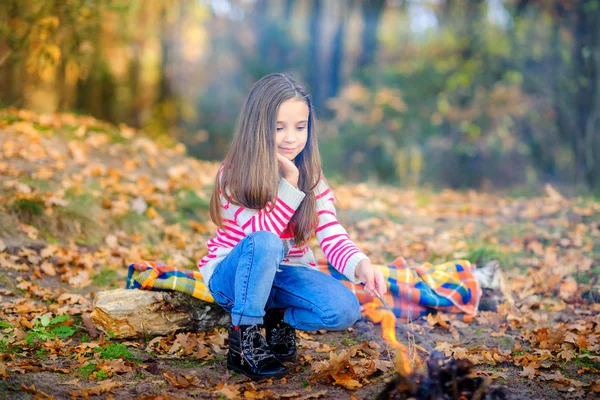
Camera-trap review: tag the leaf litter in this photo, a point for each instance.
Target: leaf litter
(82, 198)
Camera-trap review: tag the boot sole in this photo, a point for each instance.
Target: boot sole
(255, 376)
(285, 358)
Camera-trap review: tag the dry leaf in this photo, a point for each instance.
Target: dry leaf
(48, 268)
(37, 393)
(229, 391)
(528, 371)
(568, 288)
(81, 280)
(3, 370)
(181, 382)
(345, 380)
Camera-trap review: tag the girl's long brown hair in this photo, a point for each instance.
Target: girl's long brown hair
(250, 176)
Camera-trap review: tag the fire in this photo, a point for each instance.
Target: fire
(377, 314)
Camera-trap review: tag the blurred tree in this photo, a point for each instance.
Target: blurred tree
(326, 27)
(460, 93)
(371, 13)
(573, 78)
(586, 76)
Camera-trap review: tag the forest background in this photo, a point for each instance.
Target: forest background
(442, 93)
(498, 97)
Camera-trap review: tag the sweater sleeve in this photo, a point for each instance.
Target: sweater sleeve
(340, 251)
(287, 201)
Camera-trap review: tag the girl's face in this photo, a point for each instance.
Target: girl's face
(292, 127)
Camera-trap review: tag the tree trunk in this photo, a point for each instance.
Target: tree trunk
(327, 27)
(337, 56)
(13, 68)
(372, 11)
(314, 50)
(289, 7)
(131, 312)
(135, 109)
(591, 129)
(166, 47)
(586, 107)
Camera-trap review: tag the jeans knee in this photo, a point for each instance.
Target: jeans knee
(345, 315)
(267, 242)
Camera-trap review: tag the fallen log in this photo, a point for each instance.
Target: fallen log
(132, 312)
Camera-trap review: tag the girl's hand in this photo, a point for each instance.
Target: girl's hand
(371, 277)
(288, 170)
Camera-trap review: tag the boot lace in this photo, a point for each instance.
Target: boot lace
(283, 333)
(254, 345)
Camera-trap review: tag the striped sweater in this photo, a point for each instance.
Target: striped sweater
(238, 222)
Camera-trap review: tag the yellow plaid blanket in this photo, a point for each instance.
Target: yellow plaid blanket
(412, 291)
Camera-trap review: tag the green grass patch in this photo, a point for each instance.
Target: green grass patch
(188, 206)
(505, 342)
(506, 232)
(185, 362)
(354, 216)
(115, 136)
(42, 128)
(42, 353)
(8, 225)
(481, 254)
(525, 191)
(218, 359)
(113, 351)
(436, 258)
(28, 209)
(134, 223)
(85, 371)
(79, 218)
(5, 346)
(5, 325)
(423, 199)
(9, 118)
(101, 374)
(40, 184)
(191, 205)
(582, 361)
(348, 341)
(45, 328)
(584, 277)
(107, 278)
(96, 128)
(131, 221)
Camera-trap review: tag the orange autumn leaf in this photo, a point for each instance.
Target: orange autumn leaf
(181, 382)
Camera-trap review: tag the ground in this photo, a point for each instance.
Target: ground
(81, 199)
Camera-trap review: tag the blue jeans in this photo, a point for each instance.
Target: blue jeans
(250, 280)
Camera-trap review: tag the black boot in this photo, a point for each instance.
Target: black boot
(281, 337)
(249, 354)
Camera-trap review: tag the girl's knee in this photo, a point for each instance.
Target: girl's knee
(344, 316)
(266, 241)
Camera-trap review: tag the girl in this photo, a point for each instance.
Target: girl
(269, 197)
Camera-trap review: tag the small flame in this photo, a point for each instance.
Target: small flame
(377, 314)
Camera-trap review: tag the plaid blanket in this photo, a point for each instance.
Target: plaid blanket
(412, 291)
